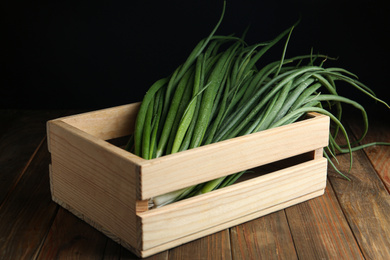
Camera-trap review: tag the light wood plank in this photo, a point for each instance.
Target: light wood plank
(165, 174)
(208, 210)
(95, 179)
(231, 223)
(106, 123)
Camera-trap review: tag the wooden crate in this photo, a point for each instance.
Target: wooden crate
(109, 187)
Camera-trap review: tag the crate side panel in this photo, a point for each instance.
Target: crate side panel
(187, 168)
(88, 176)
(106, 123)
(208, 210)
(234, 222)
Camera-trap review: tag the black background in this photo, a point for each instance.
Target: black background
(92, 55)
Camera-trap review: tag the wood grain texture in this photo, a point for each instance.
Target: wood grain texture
(366, 204)
(106, 123)
(30, 227)
(379, 155)
(215, 246)
(205, 163)
(70, 238)
(28, 212)
(87, 178)
(231, 223)
(212, 209)
(22, 133)
(320, 230)
(268, 237)
(99, 182)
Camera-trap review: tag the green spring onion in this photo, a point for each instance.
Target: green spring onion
(220, 93)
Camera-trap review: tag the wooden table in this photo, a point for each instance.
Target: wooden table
(350, 221)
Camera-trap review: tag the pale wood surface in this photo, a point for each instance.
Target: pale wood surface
(101, 183)
(350, 221)
(227, 157)
(106, 123)
(107, 186)
(235, 203)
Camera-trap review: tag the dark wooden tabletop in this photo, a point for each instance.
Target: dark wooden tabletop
(350, 221)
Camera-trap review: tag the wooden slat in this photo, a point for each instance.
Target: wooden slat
(232, 223)
(106, 123)
(20, 139)
(165, 174)
(320, 230)
(215, 246)
(238, 201)
(71, 238)
(93, 183)
(366, 205)
(27, 214)
(267, 237)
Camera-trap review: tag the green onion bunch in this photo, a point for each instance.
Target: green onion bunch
(220, 92)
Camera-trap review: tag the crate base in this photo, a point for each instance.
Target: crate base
(191, 237)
